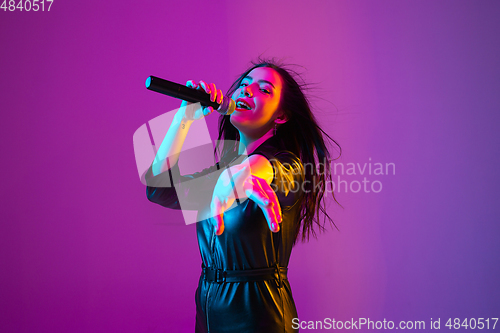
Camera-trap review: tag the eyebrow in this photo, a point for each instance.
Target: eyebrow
(260, 81)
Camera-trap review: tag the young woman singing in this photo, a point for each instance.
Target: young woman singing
(266, 191)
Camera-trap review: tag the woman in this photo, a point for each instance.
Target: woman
(252, 209)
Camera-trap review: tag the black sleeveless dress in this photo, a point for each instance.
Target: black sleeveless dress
(247, 243)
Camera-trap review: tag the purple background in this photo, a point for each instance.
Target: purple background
(412, 83)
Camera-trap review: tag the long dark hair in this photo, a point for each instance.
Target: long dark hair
(302, 136)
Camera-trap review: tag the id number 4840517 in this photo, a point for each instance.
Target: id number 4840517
(26, 5)
(472, 323)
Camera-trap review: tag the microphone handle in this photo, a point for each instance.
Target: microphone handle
(179, 91)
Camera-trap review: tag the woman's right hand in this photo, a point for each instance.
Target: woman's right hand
(191, 113)
(248, 180)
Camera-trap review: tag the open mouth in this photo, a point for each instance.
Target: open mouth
(243, 105)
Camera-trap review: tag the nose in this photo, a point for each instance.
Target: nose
(246, 92)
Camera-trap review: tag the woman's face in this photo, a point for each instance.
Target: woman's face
(257, 102)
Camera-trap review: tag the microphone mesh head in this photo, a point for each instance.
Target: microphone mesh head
(227, 106)
(231, 107)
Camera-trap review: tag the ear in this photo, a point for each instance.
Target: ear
(281, 119)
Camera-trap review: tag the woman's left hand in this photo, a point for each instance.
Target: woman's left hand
(240, 181)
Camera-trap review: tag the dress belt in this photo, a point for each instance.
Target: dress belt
(245, 275)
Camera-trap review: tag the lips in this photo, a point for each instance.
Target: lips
(242, 104)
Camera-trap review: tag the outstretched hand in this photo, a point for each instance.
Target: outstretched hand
(239, 182)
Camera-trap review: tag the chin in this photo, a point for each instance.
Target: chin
(236, 122)
(247, 126)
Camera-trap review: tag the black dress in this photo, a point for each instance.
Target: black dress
(247, 243)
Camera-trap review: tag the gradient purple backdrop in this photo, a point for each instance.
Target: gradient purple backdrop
(412, 83)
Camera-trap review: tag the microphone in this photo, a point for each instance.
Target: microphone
(189, 94)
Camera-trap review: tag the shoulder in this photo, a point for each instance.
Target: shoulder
(274, 149)
(287, 169)
(260, 167)
(276, 153)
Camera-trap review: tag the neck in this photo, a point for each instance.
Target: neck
(249, 143)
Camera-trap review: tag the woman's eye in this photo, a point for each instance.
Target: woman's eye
(243, 84)
(265, 91)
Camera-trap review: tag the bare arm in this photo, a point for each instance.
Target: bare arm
(172, 144)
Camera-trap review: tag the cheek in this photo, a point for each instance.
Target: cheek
(269, 109)
(235, 95)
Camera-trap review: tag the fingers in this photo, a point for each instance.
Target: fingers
(267, 201)
(274, 208)
(219, 96)
(207, 87)
(210, 89)
(266, 207)
(215, 94)
(273, 197)
(202, 85)
(208, 110)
